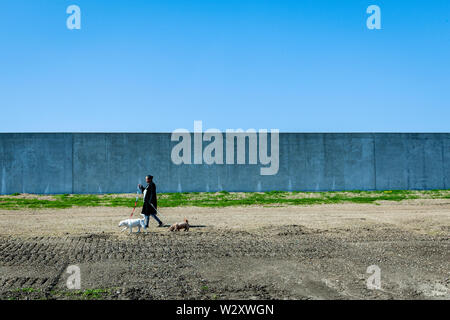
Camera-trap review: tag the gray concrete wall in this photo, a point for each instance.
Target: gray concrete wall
(116, 162)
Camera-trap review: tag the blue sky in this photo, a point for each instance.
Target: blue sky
(152, 66)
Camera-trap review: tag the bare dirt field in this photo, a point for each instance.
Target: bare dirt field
(291, 252)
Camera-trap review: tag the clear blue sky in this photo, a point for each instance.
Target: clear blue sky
(149, 66)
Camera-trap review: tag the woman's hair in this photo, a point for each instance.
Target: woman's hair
(149, 176)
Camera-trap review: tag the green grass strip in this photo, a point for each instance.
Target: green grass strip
(217, 199)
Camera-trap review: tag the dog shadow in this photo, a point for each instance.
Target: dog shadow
(190, 226)
(196, 226)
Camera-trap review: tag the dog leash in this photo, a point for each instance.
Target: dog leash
(135, 203)
(157, 210)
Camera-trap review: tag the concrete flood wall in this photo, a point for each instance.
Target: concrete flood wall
(50, 163)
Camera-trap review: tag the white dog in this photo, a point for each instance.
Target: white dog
(131, 223)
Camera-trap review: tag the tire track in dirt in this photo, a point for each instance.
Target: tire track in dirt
(290, 262)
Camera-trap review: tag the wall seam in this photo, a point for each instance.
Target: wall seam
(374, 162)
(72, 163)
(443, 163)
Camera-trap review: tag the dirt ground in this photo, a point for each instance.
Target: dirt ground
(292, 252)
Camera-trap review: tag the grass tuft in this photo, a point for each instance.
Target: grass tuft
(89, 294)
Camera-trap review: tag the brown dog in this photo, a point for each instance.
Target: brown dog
(178, 226)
